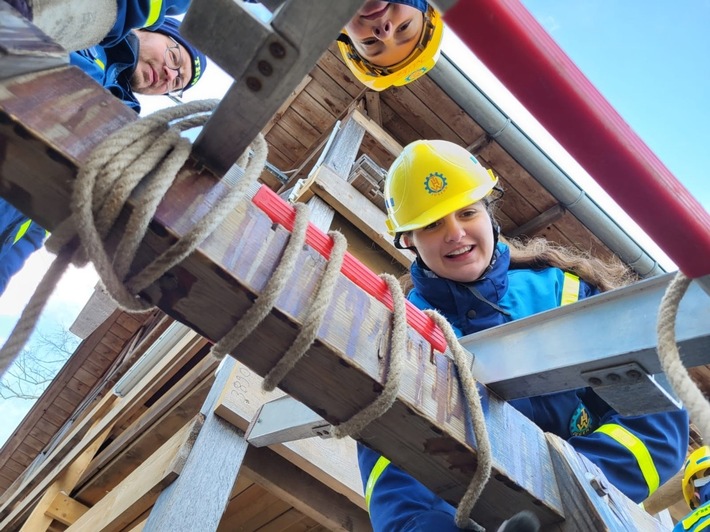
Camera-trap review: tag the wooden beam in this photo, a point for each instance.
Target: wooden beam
(309, 496)
(39, 519)
(373, 128)
(356, 208)
(24, 48)
(78, 439)
(138, 441)
(65, 509)
(372, 103)
(138, 491)
(538, 223)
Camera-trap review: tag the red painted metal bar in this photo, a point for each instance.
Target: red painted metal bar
(284, 214)
(513, 45)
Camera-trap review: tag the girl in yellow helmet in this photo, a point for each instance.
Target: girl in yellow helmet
(440, 203)
(391, 42)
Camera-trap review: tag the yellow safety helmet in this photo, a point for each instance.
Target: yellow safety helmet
(431, 179)
(697, 466)
(419, 62)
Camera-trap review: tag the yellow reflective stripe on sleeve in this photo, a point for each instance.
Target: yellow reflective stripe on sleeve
(694, 517)
(377, 470)
(638, 449)
(21, 231)
(570, 289)
(154, 13)
(101, 64)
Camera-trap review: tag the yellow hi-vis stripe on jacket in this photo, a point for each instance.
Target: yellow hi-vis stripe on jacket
(377, 470)
(570, 289)
(637, 448)
(21, 231)
(154, 13)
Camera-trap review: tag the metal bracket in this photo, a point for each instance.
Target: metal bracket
(631, 390)
(283, 420)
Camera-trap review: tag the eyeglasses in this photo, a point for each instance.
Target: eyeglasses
(173, 60)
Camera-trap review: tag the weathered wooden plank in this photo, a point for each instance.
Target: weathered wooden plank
(24, 48)
(287, 104)
(38, 519)
(447, 109)
(130, 499)
(333, 64)
(419, 115)
(80, 436)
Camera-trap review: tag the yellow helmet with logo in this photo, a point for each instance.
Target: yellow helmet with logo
(419, 62)
(431, 179)
(697, 466)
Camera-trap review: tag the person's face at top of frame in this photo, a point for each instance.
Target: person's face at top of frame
(385, 33)
(152, 74)
(458, 246)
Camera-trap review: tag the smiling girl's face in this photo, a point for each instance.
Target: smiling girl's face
(385, 33)
(458, 246)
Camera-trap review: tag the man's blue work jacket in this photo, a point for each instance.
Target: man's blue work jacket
(112, 62)
(636, 454)
(19, 238)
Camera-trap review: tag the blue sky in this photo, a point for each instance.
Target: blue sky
(651, 60)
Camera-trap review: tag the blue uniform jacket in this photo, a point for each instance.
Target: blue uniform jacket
(112, 62)
(19, 237)
(399, 502)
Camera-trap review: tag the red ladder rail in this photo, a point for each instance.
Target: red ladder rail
(523, 56)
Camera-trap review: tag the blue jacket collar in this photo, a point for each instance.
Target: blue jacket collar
(466, 303)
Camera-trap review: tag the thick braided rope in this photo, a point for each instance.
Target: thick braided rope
(265, 301)
(398, 346)
(668, 354)
(314, 314)
(139, 161)
(468, 383)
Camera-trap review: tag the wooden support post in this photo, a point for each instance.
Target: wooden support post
(372, 101)
(345, 147)
(355, 208)
(196, 501)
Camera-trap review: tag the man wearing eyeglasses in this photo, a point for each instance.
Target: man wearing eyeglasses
(157, 60)
(147, 61)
